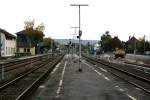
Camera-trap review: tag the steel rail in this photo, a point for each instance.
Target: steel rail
(22, 94)
(20, 77)
(140, 78)
(36, 83)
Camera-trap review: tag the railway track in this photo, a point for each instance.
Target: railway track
(18, 65)
(22, 86)
(142, 68)
(137, 66)
(140, 62)
(17, 68)
(8, 65)
(135, 77)
(136, 62)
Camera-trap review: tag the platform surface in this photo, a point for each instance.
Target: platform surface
(67, 83)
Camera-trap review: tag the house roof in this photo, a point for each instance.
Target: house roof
(22, 32)
(132, 40)
(7, 33)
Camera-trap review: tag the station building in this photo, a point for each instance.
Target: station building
(24, 45)
(7, 44)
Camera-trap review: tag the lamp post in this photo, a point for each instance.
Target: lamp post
(80, 32)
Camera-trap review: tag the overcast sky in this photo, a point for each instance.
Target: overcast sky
(121, 17)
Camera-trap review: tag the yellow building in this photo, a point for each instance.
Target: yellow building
(26, 50)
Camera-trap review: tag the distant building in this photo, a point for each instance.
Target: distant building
(132, 40)
(131, 45)
(23, 43)
(7, 44)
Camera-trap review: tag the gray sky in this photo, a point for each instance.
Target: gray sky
(121, 17)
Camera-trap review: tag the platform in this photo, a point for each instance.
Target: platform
(67, 83)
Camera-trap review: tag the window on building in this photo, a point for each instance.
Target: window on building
(24, 49)
(18, 50)
(12, 51)
(6, 51)
(28, 50)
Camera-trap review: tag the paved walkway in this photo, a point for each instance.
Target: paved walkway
(66, 83)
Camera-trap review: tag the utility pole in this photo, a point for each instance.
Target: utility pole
(52, 47)
(80, 32)
(0, 44)
(69, 46)
(144, 44)
(74, 35)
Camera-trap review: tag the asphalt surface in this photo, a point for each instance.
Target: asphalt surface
(66, 83)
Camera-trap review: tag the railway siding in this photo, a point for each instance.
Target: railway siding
(128, 73)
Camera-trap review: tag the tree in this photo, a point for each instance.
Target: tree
(29, 24)
(140, 45)
(116, 43)
(40, 27)
(106, 42)
(35, 34)
(147, 46)
(47, 42)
